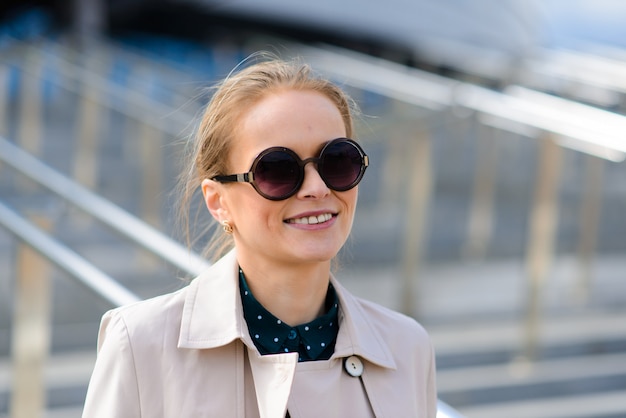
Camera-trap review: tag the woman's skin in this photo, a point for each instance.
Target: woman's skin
(287, 264)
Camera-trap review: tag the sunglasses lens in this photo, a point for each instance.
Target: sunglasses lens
(277, 175)
(341, 165)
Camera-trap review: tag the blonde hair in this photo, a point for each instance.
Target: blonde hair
(209, 152)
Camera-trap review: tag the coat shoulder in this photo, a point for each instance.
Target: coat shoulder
(393, 325)
(147, 318)
(152, 307)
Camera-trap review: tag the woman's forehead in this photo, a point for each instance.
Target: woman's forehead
(300, 120)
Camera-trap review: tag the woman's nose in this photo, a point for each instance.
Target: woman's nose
(313, 186)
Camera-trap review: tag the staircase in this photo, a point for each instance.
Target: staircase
(475, 316)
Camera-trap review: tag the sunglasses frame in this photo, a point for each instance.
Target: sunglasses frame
(249, 176)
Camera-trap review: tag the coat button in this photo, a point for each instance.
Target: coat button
(354, 366)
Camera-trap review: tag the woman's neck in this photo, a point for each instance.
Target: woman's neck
(293, 293)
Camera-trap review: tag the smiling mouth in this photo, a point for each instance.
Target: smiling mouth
(311, 220)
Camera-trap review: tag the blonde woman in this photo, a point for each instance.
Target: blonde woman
(267, 331)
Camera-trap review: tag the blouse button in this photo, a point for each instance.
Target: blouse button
(354, 366)
(292, 334)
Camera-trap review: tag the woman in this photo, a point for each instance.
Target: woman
(267, 331)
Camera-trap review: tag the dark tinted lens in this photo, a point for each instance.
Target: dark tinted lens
(277, 174)
(341, 165)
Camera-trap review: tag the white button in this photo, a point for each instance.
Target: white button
(354, 366)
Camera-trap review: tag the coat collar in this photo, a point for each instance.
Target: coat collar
(212, 312)
(213, 317)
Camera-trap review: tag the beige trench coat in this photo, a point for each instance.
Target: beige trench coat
(189, 354)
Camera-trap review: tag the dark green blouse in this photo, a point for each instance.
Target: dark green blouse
(313, 341)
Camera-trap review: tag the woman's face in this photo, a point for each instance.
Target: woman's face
(303, 121)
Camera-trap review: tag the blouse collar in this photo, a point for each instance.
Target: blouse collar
(313, 340)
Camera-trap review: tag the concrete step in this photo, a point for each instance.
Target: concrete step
(482, 292)
(597, 405)
(75, 412)
(71, 412)
(600, 330)
(530, 373)
(66, 376)
(481, 372)
(521, 381)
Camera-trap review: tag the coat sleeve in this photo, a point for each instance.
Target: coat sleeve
(113, 389)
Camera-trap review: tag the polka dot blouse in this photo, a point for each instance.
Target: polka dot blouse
(314, 340)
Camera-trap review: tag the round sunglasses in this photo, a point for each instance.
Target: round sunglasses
(277, 173)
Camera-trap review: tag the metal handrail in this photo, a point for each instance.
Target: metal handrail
(572, 69)
(535, 111)
(577, 67)
(86, 273)
(578, 127)
(103, 210)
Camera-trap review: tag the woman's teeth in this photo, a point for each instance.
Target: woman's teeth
(310, 220)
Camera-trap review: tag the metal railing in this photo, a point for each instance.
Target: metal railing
(67, 260)
(579, 75)
(579, 127)
(101, 209)
(593, 74)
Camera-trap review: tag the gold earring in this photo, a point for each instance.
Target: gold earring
(227, 227)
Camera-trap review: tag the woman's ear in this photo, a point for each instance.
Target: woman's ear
(212, 192)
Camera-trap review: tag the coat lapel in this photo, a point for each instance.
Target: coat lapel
(356, 334)
(358, 337)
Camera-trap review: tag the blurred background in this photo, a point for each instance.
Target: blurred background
(493, 210)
